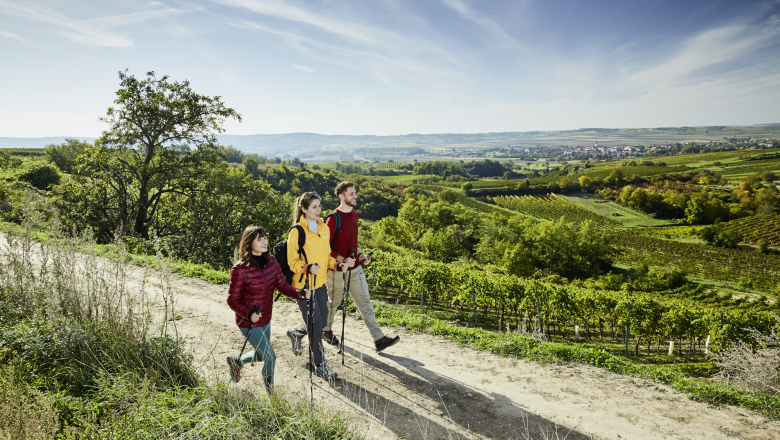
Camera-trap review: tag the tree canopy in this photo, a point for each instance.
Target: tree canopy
(153, 127)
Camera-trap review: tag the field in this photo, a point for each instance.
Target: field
(551, 207)
(418, 388)
(636, 315)
(628, 217)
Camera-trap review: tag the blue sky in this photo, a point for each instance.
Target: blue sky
(398, 66)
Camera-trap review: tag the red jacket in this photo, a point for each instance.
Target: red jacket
(251, 287)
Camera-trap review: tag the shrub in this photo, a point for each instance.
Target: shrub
(754, 365)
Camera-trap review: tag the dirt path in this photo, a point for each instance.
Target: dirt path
(429, 387)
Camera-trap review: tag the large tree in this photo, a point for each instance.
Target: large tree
(161, 139)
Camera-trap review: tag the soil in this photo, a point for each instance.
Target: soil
(432, 388)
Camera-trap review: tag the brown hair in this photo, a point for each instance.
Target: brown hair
(245, 248)
(301, 203)
(342, 187)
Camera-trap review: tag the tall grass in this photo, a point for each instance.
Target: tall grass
(83, 357)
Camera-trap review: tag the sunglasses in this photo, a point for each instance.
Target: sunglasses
(312, 194)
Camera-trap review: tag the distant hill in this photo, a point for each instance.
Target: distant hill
(269, 143)
(10, 142)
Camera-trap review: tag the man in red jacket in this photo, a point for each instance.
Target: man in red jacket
(342, 242)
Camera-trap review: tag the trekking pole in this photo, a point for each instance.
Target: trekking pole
(248, 333)
(310, 325)
(344, 307)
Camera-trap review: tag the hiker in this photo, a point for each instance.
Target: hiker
(250, 295)
(314, 260)
(343, 225)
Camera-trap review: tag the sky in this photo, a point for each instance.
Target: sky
(388, 67)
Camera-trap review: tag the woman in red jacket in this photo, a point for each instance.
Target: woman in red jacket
(250, 295)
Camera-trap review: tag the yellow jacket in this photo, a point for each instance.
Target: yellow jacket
(317, 248)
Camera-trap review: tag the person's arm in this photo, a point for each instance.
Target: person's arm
(235, 290)
(333, 263)
(294, 260)
(282, 286)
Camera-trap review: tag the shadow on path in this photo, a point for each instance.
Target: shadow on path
(433, 396)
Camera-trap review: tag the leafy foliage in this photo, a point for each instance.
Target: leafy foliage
(145, 153)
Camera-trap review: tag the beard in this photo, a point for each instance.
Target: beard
(351, 203)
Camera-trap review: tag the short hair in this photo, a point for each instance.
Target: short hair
(342, 187)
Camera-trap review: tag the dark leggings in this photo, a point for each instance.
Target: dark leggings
(320, 316)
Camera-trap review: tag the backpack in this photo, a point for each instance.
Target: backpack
(280, 253)
(337, 229)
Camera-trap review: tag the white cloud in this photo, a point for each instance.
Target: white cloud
(711, 48)
(303, 68)
(487, 24)
(89, 32)
(388, 55)
(11, 35)
(385, 66)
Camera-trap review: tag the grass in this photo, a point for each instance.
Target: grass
(82, 358)
(704, 159)
(182, 267)
(406, 178)
(629, 218)
(674, 372)
(524, 347)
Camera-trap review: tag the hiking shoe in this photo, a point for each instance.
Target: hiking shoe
(386, 342)
(269, 384)
(324, 371)
(235, 370)
(296, 342)
(330, 338)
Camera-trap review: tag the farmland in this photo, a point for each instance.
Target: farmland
(567, 261)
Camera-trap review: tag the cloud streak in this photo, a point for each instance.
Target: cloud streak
(695, 59)
(306, 69)
(92, 32)
(11, 35)
(390, 56)
(386, 67)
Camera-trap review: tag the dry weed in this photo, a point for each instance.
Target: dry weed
(754, 366)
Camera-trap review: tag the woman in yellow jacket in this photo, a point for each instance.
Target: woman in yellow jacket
(312, 263)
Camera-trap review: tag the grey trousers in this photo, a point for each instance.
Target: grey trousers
(358, 291)
(320, 315)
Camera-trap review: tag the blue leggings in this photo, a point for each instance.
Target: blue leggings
(263, 351)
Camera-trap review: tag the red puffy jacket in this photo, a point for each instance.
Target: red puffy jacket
(252, 287)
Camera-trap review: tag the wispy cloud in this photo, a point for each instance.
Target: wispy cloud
(695, 59)
(306, 69)
(11, 35)
(89, 32)
(487, 24)
(385, 66)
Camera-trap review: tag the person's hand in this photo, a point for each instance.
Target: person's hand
(314, 269)
(307, 293)
(254, 314)
(350, 261)
(344, 267)
(366, 260)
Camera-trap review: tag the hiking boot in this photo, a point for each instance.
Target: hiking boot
(324, 371)
(386, 342)
(330, 338)
(297, 349)
(235, 370)
(269, 384)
